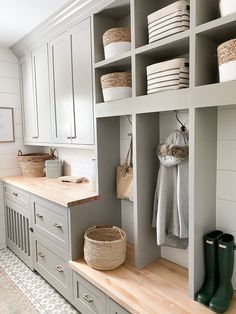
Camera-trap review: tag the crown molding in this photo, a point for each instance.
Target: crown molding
(70, 14)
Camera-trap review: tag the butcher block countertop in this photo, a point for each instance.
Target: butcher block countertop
(160, 288)
(63, 193)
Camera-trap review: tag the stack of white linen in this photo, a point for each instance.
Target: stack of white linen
(170, 20)
(172, 74)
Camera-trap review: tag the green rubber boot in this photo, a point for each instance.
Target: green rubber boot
(211, 267)
(221, 300)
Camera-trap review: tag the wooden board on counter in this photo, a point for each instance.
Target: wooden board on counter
(159, 288)
(63, 193)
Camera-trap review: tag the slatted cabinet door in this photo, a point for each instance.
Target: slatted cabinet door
(18, 223)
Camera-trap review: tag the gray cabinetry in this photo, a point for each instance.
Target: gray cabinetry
(62, 90)
(82, 82)
(41, 94)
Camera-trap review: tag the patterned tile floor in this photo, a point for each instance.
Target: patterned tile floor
(41, 295)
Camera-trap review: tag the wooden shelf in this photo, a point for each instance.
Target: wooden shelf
(119, 60)
(180, 42)
(114, 108)
(219, 30)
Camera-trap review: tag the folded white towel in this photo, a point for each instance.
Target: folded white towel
(179, 17)
(171, 32)
(179, 71)
(165, 83)
(174, 87)
(167, 78)
(177, 6)
(178, 63)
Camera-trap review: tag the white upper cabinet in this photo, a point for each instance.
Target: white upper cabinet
(41, 94)
(62, 89)
(82, 82)
(28, 108)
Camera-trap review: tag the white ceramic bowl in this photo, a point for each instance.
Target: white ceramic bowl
(227, 7)
(117, 48)
(115, 93)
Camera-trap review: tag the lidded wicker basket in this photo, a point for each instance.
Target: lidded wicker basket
(115, 35)
(105, 247)
(116, 41)
(227, 60)
(116, 79)
(116, 86)
(32, 165)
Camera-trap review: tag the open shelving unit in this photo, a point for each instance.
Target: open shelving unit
(200, 100)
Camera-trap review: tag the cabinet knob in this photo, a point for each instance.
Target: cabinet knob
(57, 225)
(35, 137)
(40, 254)
(15, 194)
(71, 137)
(87, 298)
(59, 268)
(39, 216)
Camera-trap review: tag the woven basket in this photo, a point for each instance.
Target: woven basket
(115, 35)
(32, 165)
(116, 79)
(227, 51)
(105, 247)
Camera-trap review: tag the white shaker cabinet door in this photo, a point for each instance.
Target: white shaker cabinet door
(41, 94)
(62, 90)
(27, 99)
(83, 83)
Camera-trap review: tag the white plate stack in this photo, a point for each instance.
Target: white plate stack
(170, 20)
(172, 74)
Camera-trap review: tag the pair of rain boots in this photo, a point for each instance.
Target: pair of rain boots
(217, 289)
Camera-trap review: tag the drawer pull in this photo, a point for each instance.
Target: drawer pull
(15, 194)
(39, 216)
(59, 268)
(57, 225)
(41, 255)
(87, 298)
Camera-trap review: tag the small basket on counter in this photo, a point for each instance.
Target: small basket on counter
(32, 165)
(117, 85)
(105, 247)
(227, 60)
(116, 41)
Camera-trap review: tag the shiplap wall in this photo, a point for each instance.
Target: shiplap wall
(226, 173)
(10, 97)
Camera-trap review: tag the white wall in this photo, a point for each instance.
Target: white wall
(226, 173)
(9, 97)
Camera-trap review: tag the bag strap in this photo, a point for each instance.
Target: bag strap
(129, 163)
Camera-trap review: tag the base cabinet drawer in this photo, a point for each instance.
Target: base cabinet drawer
(114, 308)
(51, 220)
(16, 195)
(87, 298)
(52, 264)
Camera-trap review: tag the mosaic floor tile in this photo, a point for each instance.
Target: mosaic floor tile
(44, 298)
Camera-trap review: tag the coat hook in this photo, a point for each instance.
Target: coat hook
(129, 119)
(183, 127)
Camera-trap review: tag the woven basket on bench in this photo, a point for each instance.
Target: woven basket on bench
(105, 247)
(32, 165)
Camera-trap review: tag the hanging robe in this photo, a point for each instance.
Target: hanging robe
(170, 208)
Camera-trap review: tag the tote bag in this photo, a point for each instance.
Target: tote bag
(124, 178)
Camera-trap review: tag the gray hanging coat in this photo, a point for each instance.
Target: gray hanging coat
(170, 208)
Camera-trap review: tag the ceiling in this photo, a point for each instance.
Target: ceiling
(19, 17)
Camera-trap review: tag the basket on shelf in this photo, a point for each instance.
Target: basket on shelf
(227, 60)
(116, 85)
(116, 41)
(105, 247)
(32, 165)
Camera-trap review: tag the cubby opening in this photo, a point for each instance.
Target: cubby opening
(206, 52)
(117, 14)
(153, 129)
(179, 49)
(142, 10)
(206, 10)
(123, 65)
(215, 180)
